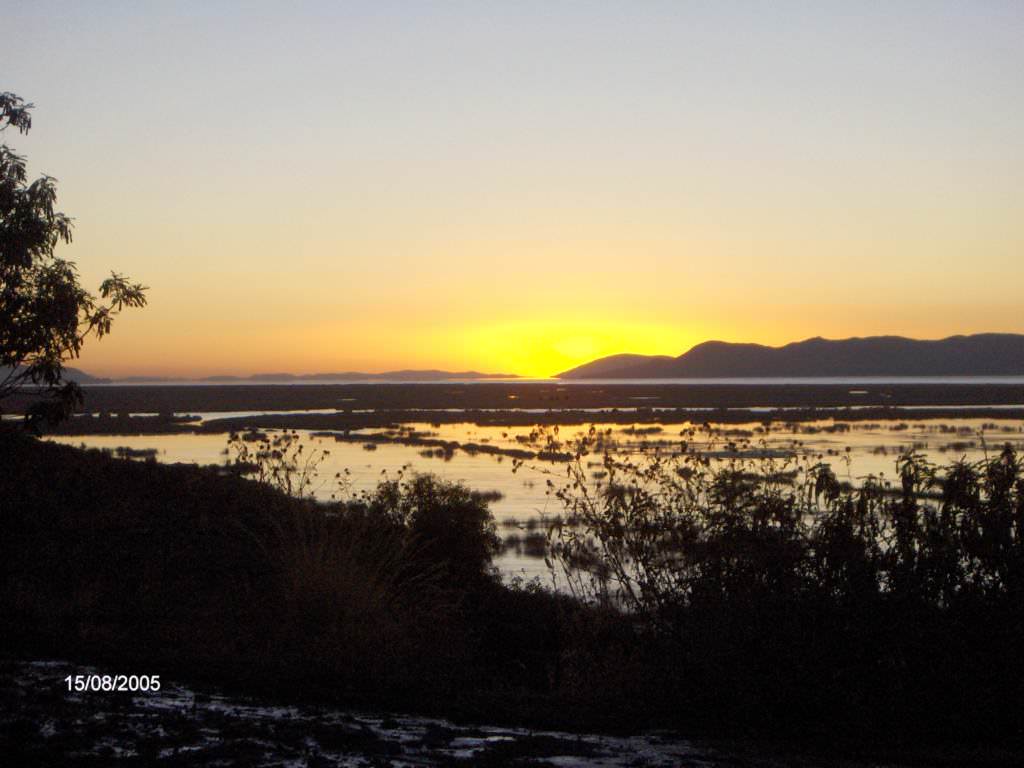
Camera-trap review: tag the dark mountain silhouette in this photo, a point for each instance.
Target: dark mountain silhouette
(609, 367)
(71, 374)
(81, 377)
(985, 354)
(264, 378)
(406, 375)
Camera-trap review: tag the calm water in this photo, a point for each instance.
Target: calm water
(860, 449)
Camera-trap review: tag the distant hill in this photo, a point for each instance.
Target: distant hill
(985, 354)
(76, 375)
(428, 375)
(81, 377)
(268, 378)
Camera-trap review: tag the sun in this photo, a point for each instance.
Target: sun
(543, 349)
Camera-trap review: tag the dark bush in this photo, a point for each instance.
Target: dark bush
(780, 598)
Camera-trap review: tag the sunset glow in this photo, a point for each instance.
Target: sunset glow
(521, 187)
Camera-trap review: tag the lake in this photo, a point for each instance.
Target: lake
(855, 449)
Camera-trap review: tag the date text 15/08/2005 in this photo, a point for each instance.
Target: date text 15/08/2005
(113, 683)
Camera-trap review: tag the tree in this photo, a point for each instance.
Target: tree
(45, 314)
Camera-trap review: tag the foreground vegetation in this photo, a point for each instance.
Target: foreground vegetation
(775, 594)
(390, 600)
(713, 598)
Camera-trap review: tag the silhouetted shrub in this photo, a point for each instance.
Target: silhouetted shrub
(215, 575)
(446, 523)
(777, 594)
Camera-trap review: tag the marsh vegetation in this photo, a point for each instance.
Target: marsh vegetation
(718, 594)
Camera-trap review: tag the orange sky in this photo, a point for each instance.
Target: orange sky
(524, 187)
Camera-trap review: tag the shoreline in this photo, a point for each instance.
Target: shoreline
(165, 409)
(251, 397)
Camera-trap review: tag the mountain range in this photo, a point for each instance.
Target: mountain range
(985, 354)
(81, 377)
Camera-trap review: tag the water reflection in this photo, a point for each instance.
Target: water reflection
(855, 449)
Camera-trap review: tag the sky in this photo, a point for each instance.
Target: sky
(525, 186)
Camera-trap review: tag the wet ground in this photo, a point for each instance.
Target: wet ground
(41, 723)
